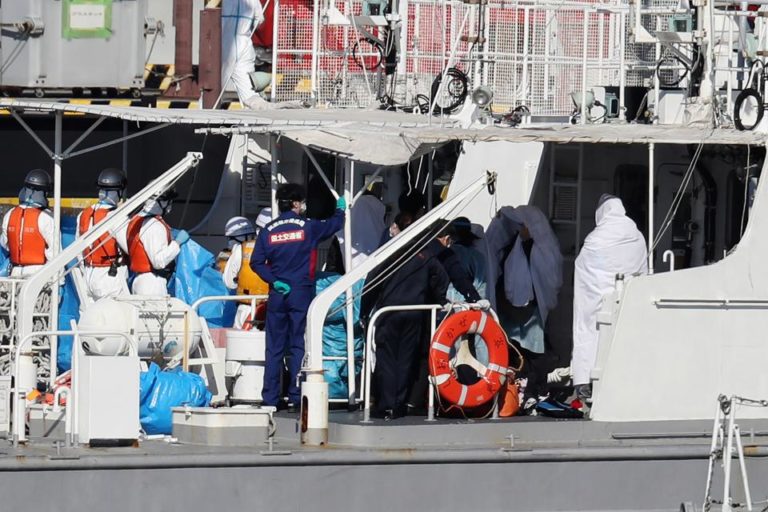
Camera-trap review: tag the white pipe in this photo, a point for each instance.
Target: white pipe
(669, 255)
(371, 337)
(318, 309)
(275, 68)
(54, 324)
(651, 172)
(743, 468)
(118, 217)
(656, 81)
(315, 47)
(431, 385)
(348, 187)
(727, 459)
(66, 391)
(274, 160)
(225, 298)
(321, 172)
(365, 186)
(20, 409)
(584, 35)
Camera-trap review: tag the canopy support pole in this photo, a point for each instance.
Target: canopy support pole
(31, 133)
(116, 141)
(273, 173)
(320, 172)
(85, 134)
(651, 173)
(349, 177)
(57, 144)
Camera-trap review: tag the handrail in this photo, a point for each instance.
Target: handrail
(704, 303)
(434, 308)
(20, 409)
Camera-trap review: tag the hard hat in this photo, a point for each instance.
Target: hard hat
(112, 179)
(38, 179)
(264, 218)
(239, 226)
(291, 192)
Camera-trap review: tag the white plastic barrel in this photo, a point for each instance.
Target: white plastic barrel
(245, 363)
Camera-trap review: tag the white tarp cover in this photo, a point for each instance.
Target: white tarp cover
(615, 246)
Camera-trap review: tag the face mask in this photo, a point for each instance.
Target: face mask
(31, 197)
(109, 197)
(303, 208)
(166, 206)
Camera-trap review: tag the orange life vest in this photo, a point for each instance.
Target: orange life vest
(105, 251)
(140, 262)
(25, 242)
(248, 281)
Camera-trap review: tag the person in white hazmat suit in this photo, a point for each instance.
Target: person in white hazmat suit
(105, 263)
(28, 231)
(614, 247)
(239, 19)
(151, 249)
(237, 274)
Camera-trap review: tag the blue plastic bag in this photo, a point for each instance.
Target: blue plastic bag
(69, 303)
(335, 337)
(160, 391)
(195, 277)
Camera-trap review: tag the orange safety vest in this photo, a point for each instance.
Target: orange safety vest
(25, 242)
(105, 251)
(140, 263)
(248, 281)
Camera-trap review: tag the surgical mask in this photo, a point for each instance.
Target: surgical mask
(109, 197)
(303, 208)
(31, 197)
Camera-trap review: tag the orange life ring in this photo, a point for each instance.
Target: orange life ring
(441, 370)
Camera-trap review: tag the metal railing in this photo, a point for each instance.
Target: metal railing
(368, 354)
(20, 402)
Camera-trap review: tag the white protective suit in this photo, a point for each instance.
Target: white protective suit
(367, 217)
(239, 18)
(97, 279)
(615, 246)
(231, 271)
(45, 226)
(160, 251)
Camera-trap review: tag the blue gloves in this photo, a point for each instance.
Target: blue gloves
(281, 287)
(341, 203)
(181, 237)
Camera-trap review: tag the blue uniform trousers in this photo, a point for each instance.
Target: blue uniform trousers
(286, 322)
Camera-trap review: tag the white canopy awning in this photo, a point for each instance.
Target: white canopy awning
(391, 138)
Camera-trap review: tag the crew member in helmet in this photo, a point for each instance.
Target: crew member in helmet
(28, 233)
(238, 274)
(285, 257)
(152, 250)
(106, 270)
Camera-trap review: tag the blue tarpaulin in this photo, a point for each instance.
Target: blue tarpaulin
(160, 391)
(69, 304)
(335, 337)
(195, 278)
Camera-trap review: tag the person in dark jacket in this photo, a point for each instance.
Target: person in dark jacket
(399, 335)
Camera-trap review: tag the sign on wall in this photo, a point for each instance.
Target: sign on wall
(87, 19)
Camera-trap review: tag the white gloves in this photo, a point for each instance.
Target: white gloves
(559, 375)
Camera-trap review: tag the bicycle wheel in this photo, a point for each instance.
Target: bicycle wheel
(748, 109)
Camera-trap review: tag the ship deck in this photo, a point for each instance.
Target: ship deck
(523, 463)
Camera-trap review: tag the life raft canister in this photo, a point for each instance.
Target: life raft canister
(440, 368)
